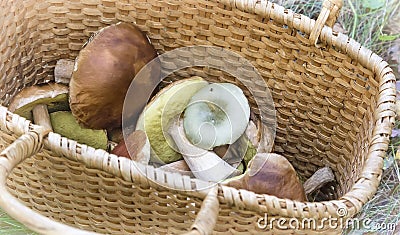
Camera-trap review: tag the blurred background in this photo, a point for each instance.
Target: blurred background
(375, 24)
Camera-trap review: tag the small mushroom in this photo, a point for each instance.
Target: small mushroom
(205, 165)
(54, 96)
(217, 114)
(136, 147)
(35, 103)
(104, 70)
(47, 105)
(156, 117)
(270, 173)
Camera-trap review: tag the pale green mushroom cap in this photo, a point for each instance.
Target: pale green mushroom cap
(155, 119)
(65, 124)
(217, 114)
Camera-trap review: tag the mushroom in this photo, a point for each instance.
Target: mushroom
(217, 114)
(156, 117)
(104, 70)
(65, 124)
(320, 178)
(205, 165)
(270, 173)
(242, 149)
(54, 96)
(136, 147)
(35, 103)
(63, 71)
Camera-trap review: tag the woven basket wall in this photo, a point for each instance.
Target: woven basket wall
(334, 104)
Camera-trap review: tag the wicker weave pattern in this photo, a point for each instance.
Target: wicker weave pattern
(334, 105)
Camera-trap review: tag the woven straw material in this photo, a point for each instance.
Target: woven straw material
(334, 105)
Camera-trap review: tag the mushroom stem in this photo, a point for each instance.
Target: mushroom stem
(205, 165)
(318, 180)
(41, 116)
(63, 71)
(177, 166)
(242, 149)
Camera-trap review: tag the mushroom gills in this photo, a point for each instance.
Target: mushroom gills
(216, 115)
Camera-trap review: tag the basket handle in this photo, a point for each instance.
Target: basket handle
(30, 144)
(329, 13)
(25, 146)
(207, 216)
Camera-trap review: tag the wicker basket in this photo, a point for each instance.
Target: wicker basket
(334, 104)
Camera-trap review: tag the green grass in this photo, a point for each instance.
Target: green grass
(356, 19)
(374, 24)
(367, 26)
(384, 208)
(9, 226)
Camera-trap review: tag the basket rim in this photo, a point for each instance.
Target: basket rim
(362, 190)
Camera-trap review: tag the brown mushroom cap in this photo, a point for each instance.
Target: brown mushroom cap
(103, 72)
(272, 174)
(54, 95)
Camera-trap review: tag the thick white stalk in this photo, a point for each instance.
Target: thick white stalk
(205, 165)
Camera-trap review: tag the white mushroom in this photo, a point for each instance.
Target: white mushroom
(205, 165)
(217, 114)
(156, 117)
